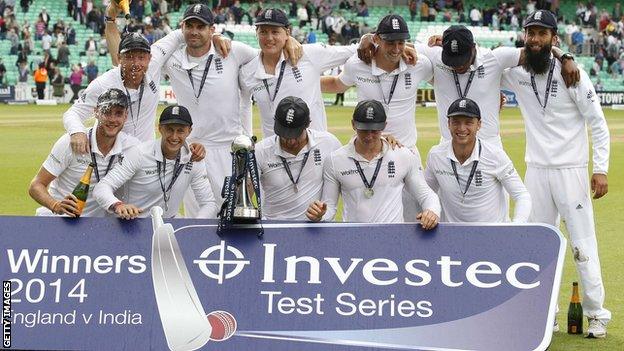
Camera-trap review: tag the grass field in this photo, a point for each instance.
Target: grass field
(28, 132)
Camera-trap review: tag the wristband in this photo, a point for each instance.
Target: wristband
(567, 56)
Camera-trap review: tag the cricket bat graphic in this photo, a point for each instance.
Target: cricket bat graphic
(181, 313)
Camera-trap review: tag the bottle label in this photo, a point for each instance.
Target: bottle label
(80, 206)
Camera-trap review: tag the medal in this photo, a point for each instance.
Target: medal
(369, 192)
(295, 188)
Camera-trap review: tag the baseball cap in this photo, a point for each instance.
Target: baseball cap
(200, 12)
(369, 115)
(464, 107)
(133, 41)
(457, 43)
(541, 18)
(176, 114)
(272, 17)
(292, 116)
(112, 97)
(393, 27)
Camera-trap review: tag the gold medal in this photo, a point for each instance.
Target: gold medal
(369, 192)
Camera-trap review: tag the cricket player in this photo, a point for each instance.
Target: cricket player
(556, 120)
(291, 162)
(370, 177)
(158, 173)
(470, 174)
(63, 168)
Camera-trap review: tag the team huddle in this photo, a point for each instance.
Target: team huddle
(303, 168)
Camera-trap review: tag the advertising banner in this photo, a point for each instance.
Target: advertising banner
(108, 284)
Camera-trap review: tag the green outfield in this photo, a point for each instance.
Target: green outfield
(28, 132)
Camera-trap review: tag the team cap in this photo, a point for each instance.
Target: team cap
(292, 117)
(272, 17)
(541, 18)
(457, 43)
(133, 41)
(176, 114)
(369, 115)
(393, 27)
(200, 12)
(112, 97)
(465, 108)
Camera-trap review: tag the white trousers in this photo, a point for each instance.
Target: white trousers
(218, 165)
(565, 194)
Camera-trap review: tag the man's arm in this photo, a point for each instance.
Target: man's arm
(512, 183)
(38, 191)
(326, 208)
(203, 192)
(430, 177)
(427, 198)
(332, 84)
(78, 113)
(104, 192)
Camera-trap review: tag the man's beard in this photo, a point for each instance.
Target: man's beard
(537, 62)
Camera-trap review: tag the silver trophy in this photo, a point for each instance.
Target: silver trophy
(244, 208)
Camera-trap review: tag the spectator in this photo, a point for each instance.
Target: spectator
(237, 12)
(23, 73)
(413, 8)
(475, 16)
(292, 13)
(41, 79)
(433, 13)
(75, 81)
(309, 7)
(163, 7)
(577, 41)
(90, 47)
(44, 16)
(78, 15)
(302, 16)
(94, 20)
(446, 17)
(2, 73)
(62, 56)
(46, 41)
(311, 39)
(22, 56)
(345, 5)
(14, 39)
(25, 4)
(71, 35)
(40, 28)
(59, 25)
(92, 71)
(58, 84)
(103, 46)
(362, 9)
(59, 37)
(530, 7)
(365, 29)
(424, 11)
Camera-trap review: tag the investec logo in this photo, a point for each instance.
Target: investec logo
(222, 262)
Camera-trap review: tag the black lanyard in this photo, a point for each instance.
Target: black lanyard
(94, 161)
(472, 173)
(548, 84)
(458, 86)
(361, 173)
(394, 83)
(139, 101)
(277, 84)
(287, 168)
(203, 80)
(177, 168)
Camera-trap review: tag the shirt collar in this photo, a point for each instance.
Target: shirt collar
(116, 149)
(184, 58)
(478, 59)
(376, 71)
(356, 156)
(185, 152)
(474, 156)
(312, 143)
(260, 72)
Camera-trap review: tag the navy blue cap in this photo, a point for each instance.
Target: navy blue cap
(464, 107)
(133, 41)
(457, 43)
(272, 17)
(292, 117)
(393, 27)
(200, 12)
(369, 115)
(176, 114)
(541, 18)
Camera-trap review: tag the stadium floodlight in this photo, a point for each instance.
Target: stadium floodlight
(182, 315)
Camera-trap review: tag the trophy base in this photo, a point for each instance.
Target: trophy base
(242, 214)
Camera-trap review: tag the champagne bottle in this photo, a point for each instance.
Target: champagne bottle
(575, 312)
(81, 191)
(124, 5)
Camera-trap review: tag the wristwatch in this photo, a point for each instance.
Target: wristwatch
(567, 56)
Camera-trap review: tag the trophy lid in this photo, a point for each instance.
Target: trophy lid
(242, 143)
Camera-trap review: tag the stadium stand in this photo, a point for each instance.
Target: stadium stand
(596, 38)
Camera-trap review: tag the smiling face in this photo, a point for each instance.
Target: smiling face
(391, 50)
(173, 137)
(134, 64)
(111, 120)
(272, 39)
(537, 47)
(197, 34)
(464, 129)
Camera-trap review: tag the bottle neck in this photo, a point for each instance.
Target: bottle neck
(575, 295)
(86, 177)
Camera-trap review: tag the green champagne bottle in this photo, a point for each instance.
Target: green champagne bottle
(575, 312)
(81, 191)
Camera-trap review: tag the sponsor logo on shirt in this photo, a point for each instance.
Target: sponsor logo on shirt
(162, 51)
(408, 80)
(274, 164)
(176, 65)
(442, 172)
(444, 68)
(348, 172)
(524, 83)
(260, 87)
(297, 73)
(151, 171)
(367, 80)
(478, 178)
(391, 169)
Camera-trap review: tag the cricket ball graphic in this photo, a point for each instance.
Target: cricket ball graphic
(223, 325)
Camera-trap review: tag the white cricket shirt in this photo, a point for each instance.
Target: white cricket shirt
(279, 199)
(484, 89)
(140, 174)
(302, 81)
(141, 112)
(485, 198)
(374, 83)
(68, 168)
(399, 168)
(217, 114)
(556, 137)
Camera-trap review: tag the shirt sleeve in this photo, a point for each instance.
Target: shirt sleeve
(347, 76)
(203, 192)
(243, 53)
(82, 109)
(104, 191)
(246, 111)
(427, 67)
(417, 186)
(331, 189)
(430, 177)
(507, 80)
(325, 57)
(507, 57)
(509, 178)
(589, 105)
(59, 158)
(164, 48)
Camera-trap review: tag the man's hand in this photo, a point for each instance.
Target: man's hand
(570, 72)
(293, 51)
(435, 40)
(410, 56)
(316, 211)
(428, 219)
(394, 143)
(366, 50)
(127, 211)
(79, 143)
(222, 44)
(198, 152)
(599, 185)
(68, 206)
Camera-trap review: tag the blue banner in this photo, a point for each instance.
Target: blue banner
(108, 284)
